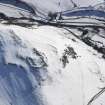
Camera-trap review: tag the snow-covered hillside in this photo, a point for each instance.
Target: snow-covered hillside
(48, 66)
(56, 5)
(13, 11)
(100, 6)
(55, 60)
(43, 7)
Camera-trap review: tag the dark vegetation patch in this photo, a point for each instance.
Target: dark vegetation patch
(68, 52)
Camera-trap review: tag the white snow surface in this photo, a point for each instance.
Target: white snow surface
(49, 5)
(13, 11)
(84, 3)
(32, 73)
(58, 5)
(43, 7)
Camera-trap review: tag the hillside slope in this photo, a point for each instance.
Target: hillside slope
(39, 66)
(55, 60)
(43, 7)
